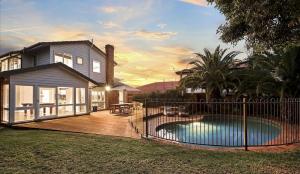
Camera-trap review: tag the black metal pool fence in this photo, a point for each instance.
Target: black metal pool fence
(228, 123)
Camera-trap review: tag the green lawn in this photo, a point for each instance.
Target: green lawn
(36, 151)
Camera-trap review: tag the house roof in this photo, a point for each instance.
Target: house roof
(10, 53)
(122, 86)
(184, 71)
(158, 86)
(45, 44)
(41, 45)
(36, 68)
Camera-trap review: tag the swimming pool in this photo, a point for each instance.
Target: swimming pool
(215, 131)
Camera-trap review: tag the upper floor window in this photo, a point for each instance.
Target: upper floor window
(79, 60)
(14, 63)
(4, 65)
(64, 58)
(96, 66)
(10, 63)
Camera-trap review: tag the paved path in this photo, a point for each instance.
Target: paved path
(97, 123)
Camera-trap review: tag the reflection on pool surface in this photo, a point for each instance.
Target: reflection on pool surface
(219, 132)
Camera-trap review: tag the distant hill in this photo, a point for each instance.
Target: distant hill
(158, 86)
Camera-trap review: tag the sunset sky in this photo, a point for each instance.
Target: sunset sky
(152, 38)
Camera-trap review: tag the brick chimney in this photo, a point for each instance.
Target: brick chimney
(109, 50)
(109, 95)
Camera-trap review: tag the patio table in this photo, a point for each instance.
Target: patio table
(123, 108)
(47, 105)
(27, 106)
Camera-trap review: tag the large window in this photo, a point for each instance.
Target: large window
(5, 93)
(80, 101)
(98, 98)
(96, 66)
(80, 95)
(47, 101)
(4, 65)
(65, 101)
(14, 63)
(24, 110)
(64, 58)
(10, 63)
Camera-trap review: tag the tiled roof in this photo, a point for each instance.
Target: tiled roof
(158, 86)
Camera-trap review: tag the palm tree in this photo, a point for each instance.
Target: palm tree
(256, 79)
(212, 71)
(272, 74)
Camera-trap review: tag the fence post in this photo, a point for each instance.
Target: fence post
(245, 124)
(146, 118)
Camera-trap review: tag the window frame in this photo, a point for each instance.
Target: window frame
(96, 61)
(10, 64)
(64, 56)
(59, 105)
(55, 113)
(80, 104)
(31, 108)
(79, 58)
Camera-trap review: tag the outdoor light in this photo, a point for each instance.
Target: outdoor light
(107, 88)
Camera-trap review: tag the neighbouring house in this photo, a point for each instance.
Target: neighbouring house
(185, 72)
(55, 79)
(158, 87)
(123, 93)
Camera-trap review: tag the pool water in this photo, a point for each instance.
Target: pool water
(220, 132)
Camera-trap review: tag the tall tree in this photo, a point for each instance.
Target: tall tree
(264, 24)
(272, 74)
(212, 71)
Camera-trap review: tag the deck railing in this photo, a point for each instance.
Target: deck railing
(228, 123)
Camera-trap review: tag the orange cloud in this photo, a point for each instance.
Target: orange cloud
(110, 9)
(152, 35)
(202, 3)
(175, 50)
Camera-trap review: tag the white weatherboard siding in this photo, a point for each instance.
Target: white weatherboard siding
(43, 57)
(99, 77)
(87, 54)
(27, 61)
(50, 76)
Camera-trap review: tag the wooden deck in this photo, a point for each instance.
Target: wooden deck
(102, 123)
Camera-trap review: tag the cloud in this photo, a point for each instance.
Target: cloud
(202, 3)
(109, 24)
(110, 9)
(131, 10)
(19, 29)
(161, 25)
(153, 35)
(175, 50)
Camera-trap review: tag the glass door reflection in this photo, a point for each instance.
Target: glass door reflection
(47, 101)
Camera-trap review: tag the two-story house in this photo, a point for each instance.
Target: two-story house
(54, 79)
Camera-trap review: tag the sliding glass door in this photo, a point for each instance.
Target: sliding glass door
(24, 106)
(98, 98)
(80, 101)
(5, 103)
(47, 101)
(43, 102)
(65, 101)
